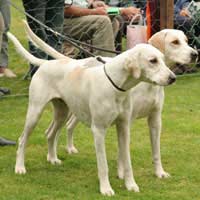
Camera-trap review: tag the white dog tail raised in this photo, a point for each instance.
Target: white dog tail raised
(32, 59)
(42, 45)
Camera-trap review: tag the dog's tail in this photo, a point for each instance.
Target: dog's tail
(32, 59)
(42, 45)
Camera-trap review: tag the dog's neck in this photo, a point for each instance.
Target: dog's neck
(119, 75)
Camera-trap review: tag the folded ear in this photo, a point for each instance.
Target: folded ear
(133, 68)
(158, 41)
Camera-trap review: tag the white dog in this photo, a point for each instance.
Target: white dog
(146, 99)
(71, 85)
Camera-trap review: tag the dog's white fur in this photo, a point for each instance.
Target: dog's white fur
(74, 85)
(147, 99)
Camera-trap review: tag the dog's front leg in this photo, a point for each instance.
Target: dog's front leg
(99, 140)
(124, 160)
(154, 122)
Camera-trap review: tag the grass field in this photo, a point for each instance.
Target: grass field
(76, 178)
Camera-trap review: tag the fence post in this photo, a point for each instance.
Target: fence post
(166, 14)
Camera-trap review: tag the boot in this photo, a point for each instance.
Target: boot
(4, 142)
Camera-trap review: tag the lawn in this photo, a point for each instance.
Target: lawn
(77, 178)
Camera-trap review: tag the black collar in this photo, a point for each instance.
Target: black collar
(118, 88)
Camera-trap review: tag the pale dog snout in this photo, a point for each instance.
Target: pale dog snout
(171, 79)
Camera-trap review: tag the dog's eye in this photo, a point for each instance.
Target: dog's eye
(153, 60)
(176, 42)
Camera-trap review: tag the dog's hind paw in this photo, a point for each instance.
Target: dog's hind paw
(107, 191)
(72, 150)
(20, 170)
(132, 187)
(162, 174)
(54, 161)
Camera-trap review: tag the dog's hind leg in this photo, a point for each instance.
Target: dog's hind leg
(154, 122)
(71, 124)
(33, 115)
(60, 117)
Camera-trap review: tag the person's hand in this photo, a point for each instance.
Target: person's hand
(99, 11)
(184, 13)
(97, 4)
(129, 12)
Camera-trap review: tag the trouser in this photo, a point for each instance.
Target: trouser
(51, 14)
(1, 28)
(5, 11)
(97, 28)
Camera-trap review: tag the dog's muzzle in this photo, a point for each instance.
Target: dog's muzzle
(171, 79)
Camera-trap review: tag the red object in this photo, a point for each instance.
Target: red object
(153, 17)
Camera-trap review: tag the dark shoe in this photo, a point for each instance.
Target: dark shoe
(5, 91)
(4, 142)
(1, 94)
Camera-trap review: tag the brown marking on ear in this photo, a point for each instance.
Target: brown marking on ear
(158, 41)
(136, 72)
(133, 69)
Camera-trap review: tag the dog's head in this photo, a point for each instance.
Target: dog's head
(174, 45)
(146, 63)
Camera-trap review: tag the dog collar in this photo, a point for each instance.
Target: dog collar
(109, 78)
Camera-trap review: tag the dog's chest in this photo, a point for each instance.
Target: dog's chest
(145, 101)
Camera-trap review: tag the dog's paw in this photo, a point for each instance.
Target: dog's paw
(162, 174)
(132, 186)
(54, 161)
(20, 170)
(107, 191)
(120, 174)
(72, 150)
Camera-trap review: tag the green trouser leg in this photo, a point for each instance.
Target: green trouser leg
(5, 10)
(97, 28)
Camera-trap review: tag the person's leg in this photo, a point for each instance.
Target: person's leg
(36, 9)
(54, 19)
(5, 10)
(92, 27)
(1, 28)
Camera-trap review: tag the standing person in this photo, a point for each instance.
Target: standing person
(3, 91)
(5, 12)
(51, 14)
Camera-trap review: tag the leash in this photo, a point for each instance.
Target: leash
(112, 82)
(72, 41)
(109, 78)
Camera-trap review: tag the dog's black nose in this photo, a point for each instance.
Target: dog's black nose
(171, 79)
(194, 56)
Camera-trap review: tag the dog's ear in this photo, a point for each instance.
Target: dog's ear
(158, 41)
(133, 68)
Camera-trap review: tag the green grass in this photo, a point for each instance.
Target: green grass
(76, 178)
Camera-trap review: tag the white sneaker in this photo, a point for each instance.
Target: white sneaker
(9, 73)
